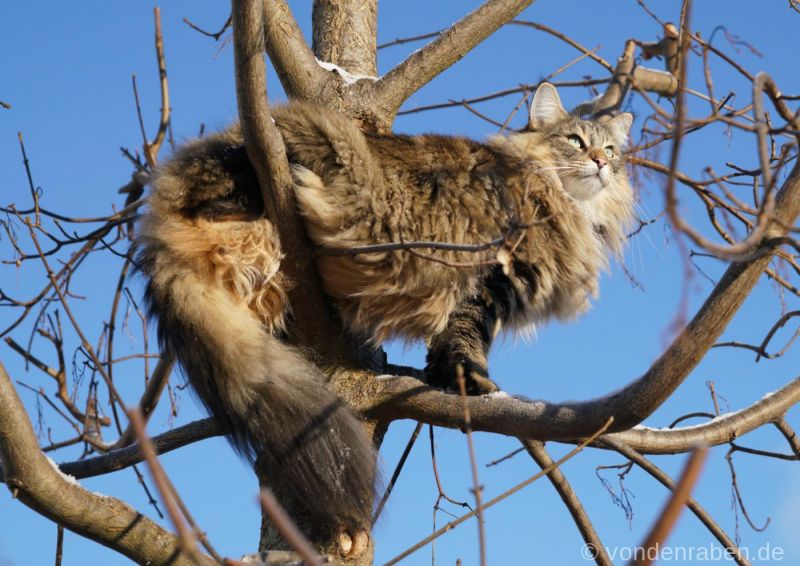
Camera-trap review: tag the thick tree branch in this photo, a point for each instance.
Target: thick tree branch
(293, 60)
(718, 431)
(346, 34)
(263, 140)
(503, 415)
(423, 65)
(40, 486)
(406, 397)
(267, 153)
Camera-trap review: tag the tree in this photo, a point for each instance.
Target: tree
(750, 209)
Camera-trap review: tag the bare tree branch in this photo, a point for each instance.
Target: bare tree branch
(188, 543)
(346, 34)
(669, 516)
(293, 60)
(152, 148)
(267, 153)
(564, 38)
(122, 458)
(573, 504)
(450, 46)
(406, 397)
(718, 431)
(40, 486)
(726, 542)
(503, 415)
(789, 434)
(150, 397)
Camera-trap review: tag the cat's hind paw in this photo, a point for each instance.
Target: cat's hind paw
(352, 543)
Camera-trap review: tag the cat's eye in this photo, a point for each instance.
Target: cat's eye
(609, 151)
(576, 141)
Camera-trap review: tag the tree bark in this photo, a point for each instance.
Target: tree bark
(346, 34)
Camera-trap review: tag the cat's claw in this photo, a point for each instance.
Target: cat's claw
(480, 385)
(475, 380)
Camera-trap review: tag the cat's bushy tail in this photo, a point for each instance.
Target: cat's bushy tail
(215, 286)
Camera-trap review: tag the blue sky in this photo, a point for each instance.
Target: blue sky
(67, 74)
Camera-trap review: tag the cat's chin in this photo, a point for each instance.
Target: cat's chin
(584, 188)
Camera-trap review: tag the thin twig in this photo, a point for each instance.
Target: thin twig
(215, 35)
(669, 516)
(33, 189)
(396, 474)
(477, 487)
(59, 544)
(188, 541)
(452, 524)
(571, 500)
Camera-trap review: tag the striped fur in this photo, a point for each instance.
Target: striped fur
(215, 282)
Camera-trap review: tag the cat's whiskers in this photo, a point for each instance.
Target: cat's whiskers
(647, 214)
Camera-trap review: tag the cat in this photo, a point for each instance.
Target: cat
(532, 216)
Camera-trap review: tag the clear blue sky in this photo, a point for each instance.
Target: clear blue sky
(66, 71)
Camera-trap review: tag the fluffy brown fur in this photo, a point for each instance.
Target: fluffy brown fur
(558, 192)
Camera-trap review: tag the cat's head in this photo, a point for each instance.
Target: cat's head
(587, 153)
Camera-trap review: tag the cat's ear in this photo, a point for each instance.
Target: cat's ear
(619, 127)
(546, 107)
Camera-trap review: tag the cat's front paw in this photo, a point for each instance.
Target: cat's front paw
(476, 377)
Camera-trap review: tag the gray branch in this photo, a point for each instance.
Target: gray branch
(266, 151)
(407, 397)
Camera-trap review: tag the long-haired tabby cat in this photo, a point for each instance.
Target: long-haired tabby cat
(556, 197)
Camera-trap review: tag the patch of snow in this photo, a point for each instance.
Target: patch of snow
(68, 478)
(347, 77)
(498, 395)
(720, 417)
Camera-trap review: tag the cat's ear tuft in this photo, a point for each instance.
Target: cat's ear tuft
(619, 126)
(546, 107)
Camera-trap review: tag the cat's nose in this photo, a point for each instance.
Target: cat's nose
(600, 162)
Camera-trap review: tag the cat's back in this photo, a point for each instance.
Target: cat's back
(429, 152)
